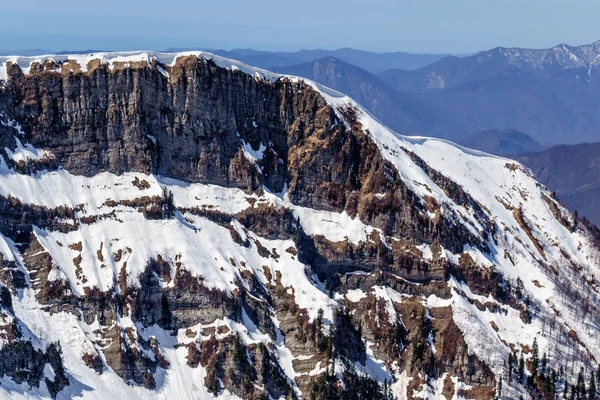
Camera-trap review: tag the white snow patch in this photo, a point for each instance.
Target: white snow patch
(355, 295)
(251, 154)
(27, 152)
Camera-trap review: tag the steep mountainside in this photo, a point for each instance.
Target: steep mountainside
(507, 142)
(401, 111)
(185, 226)
(551, 94)
(573, 172)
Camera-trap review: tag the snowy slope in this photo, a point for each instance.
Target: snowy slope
(529, 248)
(501, 185)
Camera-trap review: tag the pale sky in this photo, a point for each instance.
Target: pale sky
(438, 26)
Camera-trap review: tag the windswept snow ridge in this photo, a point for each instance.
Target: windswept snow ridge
(126, 59)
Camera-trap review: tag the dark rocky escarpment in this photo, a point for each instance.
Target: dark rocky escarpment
(23, 363)
(190, 126)
(135, 119)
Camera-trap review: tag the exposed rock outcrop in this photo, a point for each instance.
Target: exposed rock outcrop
(287, 309)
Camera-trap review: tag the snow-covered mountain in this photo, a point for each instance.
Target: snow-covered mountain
(551, 94)
(564, 61)
(561, 56)
(186, 226)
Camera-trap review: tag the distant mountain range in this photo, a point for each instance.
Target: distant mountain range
(369, 61)
(573, 172)
(551, 94)
(507, 142)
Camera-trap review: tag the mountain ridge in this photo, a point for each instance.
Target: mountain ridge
(507, 143)
(562, 55)
(550, 93)
(348, 259)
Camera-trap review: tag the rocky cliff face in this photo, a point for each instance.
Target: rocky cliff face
(185, 226)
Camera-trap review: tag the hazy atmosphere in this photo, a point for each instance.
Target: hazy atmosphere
(438, 26)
